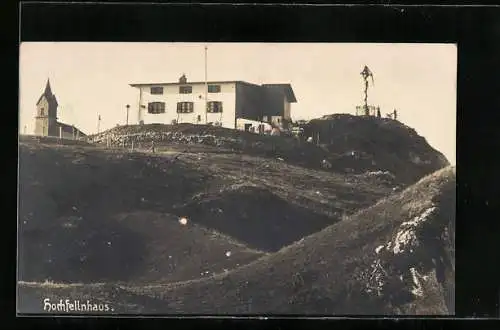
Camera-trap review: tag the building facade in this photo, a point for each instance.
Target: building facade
(219, 103)
(46, 123)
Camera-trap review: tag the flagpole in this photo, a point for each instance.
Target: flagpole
(206, 87)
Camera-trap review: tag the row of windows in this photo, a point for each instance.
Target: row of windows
(185, 89)
(184, 107)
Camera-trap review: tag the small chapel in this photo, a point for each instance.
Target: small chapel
(46, 123)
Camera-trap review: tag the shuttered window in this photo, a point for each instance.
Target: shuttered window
(214, 107)
(156, 107)
(185, 107)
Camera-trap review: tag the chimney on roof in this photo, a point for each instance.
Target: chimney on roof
(183, 79)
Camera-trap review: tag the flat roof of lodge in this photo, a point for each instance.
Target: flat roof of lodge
(192, 83)
(287, 87)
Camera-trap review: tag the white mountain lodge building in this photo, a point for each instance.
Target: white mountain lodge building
(230, 104)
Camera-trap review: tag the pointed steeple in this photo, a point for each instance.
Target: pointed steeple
(48, 91)
(48, 94)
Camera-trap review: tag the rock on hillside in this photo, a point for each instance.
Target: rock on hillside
(396, 257)
(367, 143)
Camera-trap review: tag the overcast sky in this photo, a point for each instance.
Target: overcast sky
(419, 80)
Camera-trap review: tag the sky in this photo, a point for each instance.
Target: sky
(419, 80)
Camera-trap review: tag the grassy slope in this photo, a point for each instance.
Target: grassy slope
(335, 271)
(276, 203)
(379, 144)
(72, 200)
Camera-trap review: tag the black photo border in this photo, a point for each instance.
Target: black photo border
(475, 30)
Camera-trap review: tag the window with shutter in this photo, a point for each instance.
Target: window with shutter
(185, 107)
(214, 107)
(156, 107)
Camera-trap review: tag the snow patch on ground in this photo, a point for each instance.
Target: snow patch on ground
(380, 173)
(417, 288)
(406, 236)
(376, 278)
(405, 241)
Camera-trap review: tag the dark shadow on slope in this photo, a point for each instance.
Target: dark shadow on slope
(138, 247)
(66, 182)
(67, 197)
(180, 252)
(256, 217)
(86, 251)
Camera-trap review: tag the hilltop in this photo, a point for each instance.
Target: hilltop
(351, 144)
(367, 143)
